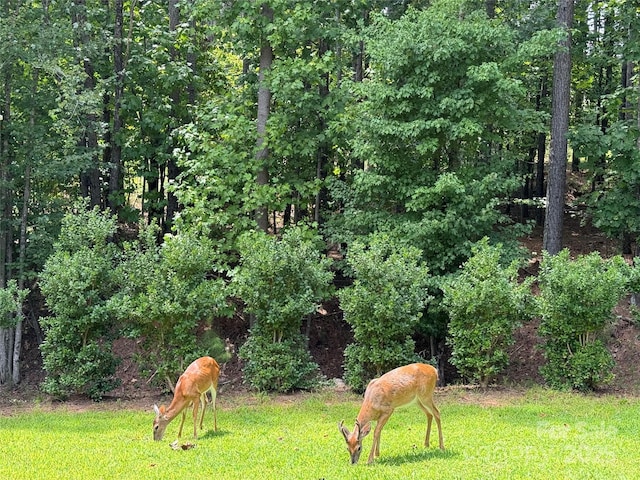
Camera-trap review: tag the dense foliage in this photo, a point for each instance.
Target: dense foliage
(383, 307)
(98, 289)
(78, 281)
(576, 302)
(431, 137)
(169, 292)
(281, 281)
(427, 121)
(485, 303)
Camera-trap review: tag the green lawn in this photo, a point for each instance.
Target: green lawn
(537, 434)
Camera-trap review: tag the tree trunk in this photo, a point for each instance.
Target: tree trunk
(553, 226)
(323, 149)
(116, 183)
(6, 241)
(24, 217)
(90, 185)
(5, 190)
(172, 167)
(537, 188)
(540, 187)
(359, 58)
(490, 6)
(264, 106)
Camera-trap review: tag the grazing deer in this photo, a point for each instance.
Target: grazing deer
(192, 387)
(397, 388)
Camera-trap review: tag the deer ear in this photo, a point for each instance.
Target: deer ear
(363, 431)
(344, 430)
(156, 409)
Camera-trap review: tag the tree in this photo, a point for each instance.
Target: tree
(157, 69)
(289, 70)
(264, 107)
(605, 136)
(115, 194)
(432, 138)
(88, 56)
(11, 317)
(34, 167)
(561, 96)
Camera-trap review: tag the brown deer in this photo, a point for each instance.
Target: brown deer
(397, 388)
(191, 390)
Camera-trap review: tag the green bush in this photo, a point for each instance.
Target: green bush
(78, 281)
(485, 303)
(280, 281)
(575, 303)
(278, 366)
(169, 293)
(383, 307)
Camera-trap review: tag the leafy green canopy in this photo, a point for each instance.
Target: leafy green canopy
(218, 187)
(439, 91)
(613, 158)
(429, 127)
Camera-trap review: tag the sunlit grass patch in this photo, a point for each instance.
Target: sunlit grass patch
(535, 435)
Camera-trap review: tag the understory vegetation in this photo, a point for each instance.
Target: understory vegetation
(168, 294)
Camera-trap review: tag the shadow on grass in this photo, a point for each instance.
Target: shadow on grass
(211, 434)
(191, 442)
(414, 456)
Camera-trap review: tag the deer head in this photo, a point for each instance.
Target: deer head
(354, 439)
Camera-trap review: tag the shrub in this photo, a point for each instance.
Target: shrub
(280, 281)
(77, 282)
(575, 303)
(169, 292)
(383, 307)
(278, 366)
(485, 304)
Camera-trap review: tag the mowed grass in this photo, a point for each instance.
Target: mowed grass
(538, 434)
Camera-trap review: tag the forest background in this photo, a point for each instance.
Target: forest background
(407, 129)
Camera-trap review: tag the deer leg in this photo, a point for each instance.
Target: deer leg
(432, 411)
(184, 413)
(375, 448)
(196, 405)
(440, 440)
(428, 436)
(203, 404)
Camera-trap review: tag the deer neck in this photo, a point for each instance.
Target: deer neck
(176, 406)
(365, 415)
